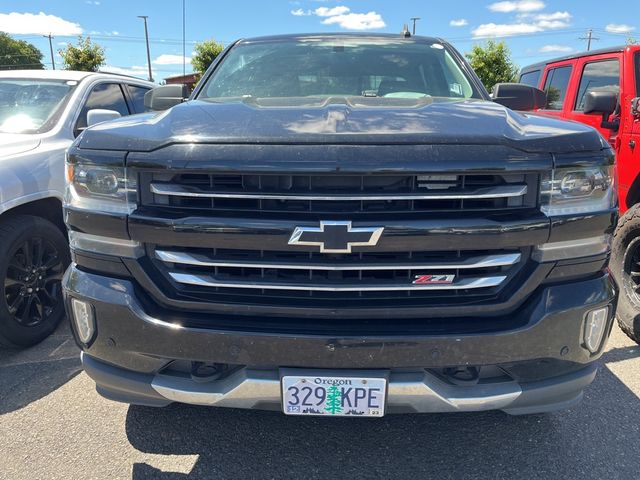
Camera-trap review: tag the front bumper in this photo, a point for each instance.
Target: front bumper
(547, 365)
(408, 392)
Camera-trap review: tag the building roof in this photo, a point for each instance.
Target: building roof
(185, 76)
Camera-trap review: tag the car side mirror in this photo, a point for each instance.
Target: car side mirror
(518, 96)
(165, 96)
(602, 103)
(635, 107)
(99, 115)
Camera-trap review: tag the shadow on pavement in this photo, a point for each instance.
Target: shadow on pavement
(31, 374)
(584, 442)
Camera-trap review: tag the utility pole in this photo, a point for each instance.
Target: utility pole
(146, 36)
(53, 61)
(184, 50)
(589, 38)
(414, 20)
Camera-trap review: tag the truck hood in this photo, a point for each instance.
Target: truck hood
(343, 121)
(16, 143)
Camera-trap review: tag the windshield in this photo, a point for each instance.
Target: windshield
(324, 67)
(32, 106)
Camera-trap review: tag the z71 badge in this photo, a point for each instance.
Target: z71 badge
(434, 279)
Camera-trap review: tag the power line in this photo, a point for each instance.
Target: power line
(29, 65)
(519, 35)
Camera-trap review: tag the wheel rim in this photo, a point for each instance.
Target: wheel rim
(33, 282)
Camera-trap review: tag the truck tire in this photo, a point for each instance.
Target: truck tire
(625, 268)
(33, 257)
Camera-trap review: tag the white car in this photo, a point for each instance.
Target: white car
(41, 113)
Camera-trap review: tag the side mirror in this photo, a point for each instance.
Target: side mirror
(99, 115)
(165, 96)
(518, 96)
(635, 106)
(602, 103)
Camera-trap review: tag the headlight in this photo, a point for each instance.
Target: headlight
(100, 188)
(567, 191)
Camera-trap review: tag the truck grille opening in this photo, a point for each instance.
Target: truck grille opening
(356, 279)
(338, 193)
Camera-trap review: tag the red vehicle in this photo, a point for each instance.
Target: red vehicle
(602, 89)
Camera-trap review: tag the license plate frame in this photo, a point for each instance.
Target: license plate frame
(342, 396)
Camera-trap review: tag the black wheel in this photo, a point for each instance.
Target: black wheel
(33, 257)
(625, 267)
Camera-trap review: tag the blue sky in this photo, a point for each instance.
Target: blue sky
(533, 29)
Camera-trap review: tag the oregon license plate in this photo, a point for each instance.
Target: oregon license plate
(333, 396)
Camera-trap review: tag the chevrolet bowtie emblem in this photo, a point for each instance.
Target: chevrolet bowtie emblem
(336, 237)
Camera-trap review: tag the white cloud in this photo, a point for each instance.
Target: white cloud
(619, 28)
(357, 21)
(459, 23)
(521, 6)
(115, 32)
(331, 12)
(41, 24)
(298, 12)
(556, 49)
(555, 16)
(90, 2)
(527, 23)
(344, 17)
(140, 71)
(168, 59)
(504, 30)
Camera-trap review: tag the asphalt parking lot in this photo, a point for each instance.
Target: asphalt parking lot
(53, 425)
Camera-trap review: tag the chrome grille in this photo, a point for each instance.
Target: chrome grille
(339, 192)
(267, 276)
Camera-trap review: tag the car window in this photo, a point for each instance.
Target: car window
(598, 76)
(530, 78)
(555, 86)
(107, 96)
(136, 93)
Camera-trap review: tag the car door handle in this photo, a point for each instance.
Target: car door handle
(632, 144)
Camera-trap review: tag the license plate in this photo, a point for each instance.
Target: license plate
(333, 396)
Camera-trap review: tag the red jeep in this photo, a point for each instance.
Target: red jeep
(601, 88)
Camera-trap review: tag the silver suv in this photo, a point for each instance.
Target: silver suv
(41, 113)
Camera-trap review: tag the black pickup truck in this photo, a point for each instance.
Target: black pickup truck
(341, 225)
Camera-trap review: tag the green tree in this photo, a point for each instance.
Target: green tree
(205, 53)
(85, 56)
(631, 41)
(334, 400)
(18, 54)
(492, 63)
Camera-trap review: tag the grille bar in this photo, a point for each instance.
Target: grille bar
(192, 191)
(212, 281)
(200, 260)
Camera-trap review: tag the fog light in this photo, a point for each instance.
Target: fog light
(83, 317)
(594, 327)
